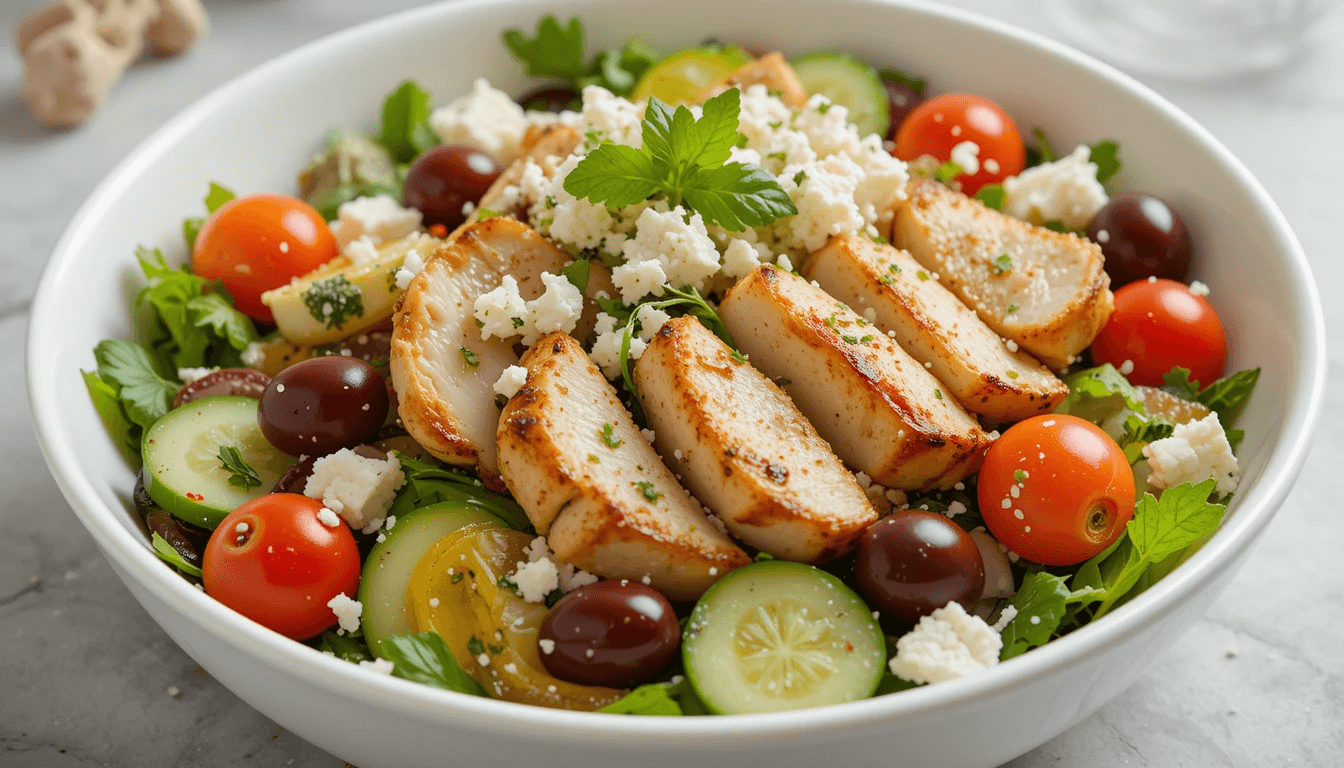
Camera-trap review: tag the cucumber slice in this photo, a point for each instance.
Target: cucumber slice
(183, 473)
(388, 568)
(849, 82)
(778, 635)
(682, 77)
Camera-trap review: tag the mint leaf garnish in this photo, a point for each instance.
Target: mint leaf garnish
(1106, 156)
(241, 474)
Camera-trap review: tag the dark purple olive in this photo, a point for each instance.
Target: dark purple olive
(912, 563)
(444, 179)
(323, 404)
(1141, 236)
(188, 540)
(616, 633)
(551, 98)
(901, 101)
(295, 479)
(242, 382)
(373, 347)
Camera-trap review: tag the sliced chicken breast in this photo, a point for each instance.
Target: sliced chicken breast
(443, 373)
(987, 375)
(1050, 294)
(879, 409)
(774, 72)
(741, 446)
(544, 145)
(589, 481)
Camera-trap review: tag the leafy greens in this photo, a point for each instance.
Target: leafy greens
(559, 51)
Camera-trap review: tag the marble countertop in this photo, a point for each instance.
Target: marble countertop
(87, 678)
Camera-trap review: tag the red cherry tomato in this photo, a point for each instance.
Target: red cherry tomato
(941, 123)
(1158, 325)
(1056, 490)
(276, 563)
(257, 243)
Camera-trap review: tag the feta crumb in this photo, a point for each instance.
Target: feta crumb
(502, 311)
(651, 320)
(646, 579)
(558, 308)
(1196, 451)
(1103, 236)
(1007, 615)
(863, 479)
(967, 156)
(328, 518)
(784, 263)
(255, 354)
(380, 218)
(361, 250)
(411, 266)
(433, 602)
(511, 380)
(483, 660)
(1126, 368)
(606, 350)
(536, 579)
(677, 242)
(1065, 190)
(486, 119)
(357, 488)
(347, 611)
(648, 434)
(188, 375)
(1198, 288)
(946, 644)
(381, 666)
(955, 508)
(1011, 345)
(547, 646)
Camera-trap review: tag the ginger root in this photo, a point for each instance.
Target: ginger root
(75, 50)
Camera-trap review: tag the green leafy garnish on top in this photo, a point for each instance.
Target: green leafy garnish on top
(241, 474)
(684, 160)
(405, 126)
(425, 658)
(558, 51)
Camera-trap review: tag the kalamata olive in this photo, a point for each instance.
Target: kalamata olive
(242, 382)
(188, 540)
(373, 347)
(295, 479)
(445, 178)
(551, 98)
(912, 563)
(617, 633)
(901, 100)
(323, 404)
(1141, 236)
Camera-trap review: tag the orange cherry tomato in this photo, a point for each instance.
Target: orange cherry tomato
(276, 563)
(941, 123)
(1056, 489)
(1158, 325)
(257, 243)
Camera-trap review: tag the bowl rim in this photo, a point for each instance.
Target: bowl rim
(1256, 504)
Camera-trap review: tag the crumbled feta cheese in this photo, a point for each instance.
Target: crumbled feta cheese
(946, 644)
(571, 578)
(538, 549)
(558, 308)
(1126, 368)
(1065, 190)
(511, 380)
(742, 256)
(1195, 452)
(357, 488)
(361, 250)
(967, 157)
(381, 666)
(486, 119)
(501, 312)
(536, 579)
(1199, 289)
(410, 267)
(677, 242)
(651, 320)
(347, 611)
(380, 218)
(547, 645)
(328, 517)
(254, 356)
(955, 508)
(188, 375)
(635, 280)
(612, 117)
(784, 262)
(1005, 617)
(648, 434)
(606, 351)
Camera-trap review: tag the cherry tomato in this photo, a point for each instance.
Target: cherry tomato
(1056, 489)
(276, 563)
(941, 123)
(257, 243)
(1158, 325)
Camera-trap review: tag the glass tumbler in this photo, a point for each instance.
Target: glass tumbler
(1189, 39)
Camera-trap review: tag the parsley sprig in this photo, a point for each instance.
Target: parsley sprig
(685, 161)
(241, 474)
(558, 51)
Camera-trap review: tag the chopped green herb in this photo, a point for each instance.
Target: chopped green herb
(895, 269)
(922, 275)
(880, 240)
(938, 393)
(865, 339)
(646, 488)
(1003, 264)
(737, 357)
(849, 339)
(1106, 156)
(241, 474)
(610, 439)
(487, 213)
(777, 156)
(799, 178)
(1019, 476)
(456, 577)
(506, 583)
(947, 172)
(593, 458)
(992, 195)
(1012, 374)
(334, 300)
(1013, 308)
(469, 358)
(475, 647)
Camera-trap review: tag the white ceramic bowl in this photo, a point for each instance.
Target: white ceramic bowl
(256, 132)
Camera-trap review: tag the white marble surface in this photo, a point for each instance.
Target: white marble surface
(85, 675)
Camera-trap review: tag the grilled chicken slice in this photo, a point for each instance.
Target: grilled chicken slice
(741, 446)
(879, 409)
(985, 375)
(1050, 295)
(539, 143)
(592, 484)
(446, 396)
(774, 72)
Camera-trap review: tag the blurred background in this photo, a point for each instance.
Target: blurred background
(88, 679)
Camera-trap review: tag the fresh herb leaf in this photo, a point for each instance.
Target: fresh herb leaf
(428, 484)
(737, 196)
(1177, 382)
(469, 358)
(107, 402)
(1013, 308)
(652, 699)
(610, 439)
(620, 71)
(334, 300)
(425, 658)
(922, 275)
(1106, 156)
(485, 214)
(1055, 225)
(405, 127)
(241, 474)
(916, 84)
(948, 171)
(612, 306)
(215, 312)
(171, 556)
(938, 393)
(992, 195)
(191, 228)
(1003, 264)
(1227, 395)
(351, 648)
(217, 197)
(1183, 515)
(646, 489)
(1102, 396)
(577, 273)
(456, 577)
(1044, 148)
(737, 357)
(144, 393)
(1040, 606)
(555, 51)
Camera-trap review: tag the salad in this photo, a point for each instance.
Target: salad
(704, 383)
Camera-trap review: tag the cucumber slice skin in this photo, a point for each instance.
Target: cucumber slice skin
(849, 82)
(707, 642)
(166, 447)
(388, 568)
